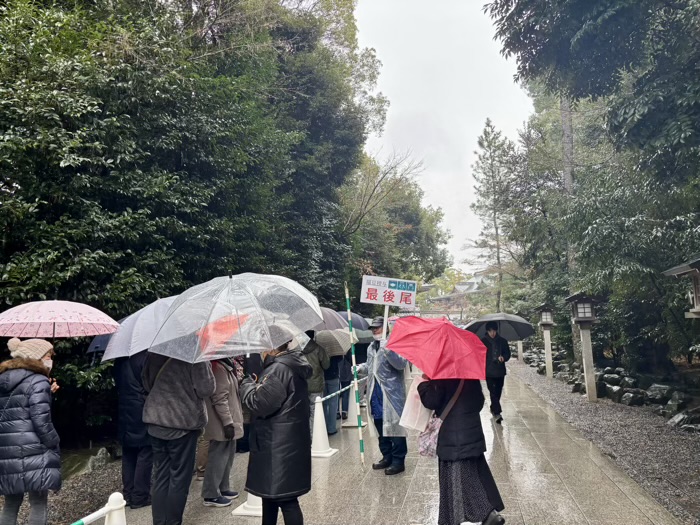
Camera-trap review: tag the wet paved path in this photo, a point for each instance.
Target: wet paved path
(546, 471)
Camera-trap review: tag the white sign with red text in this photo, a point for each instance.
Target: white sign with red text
(387, 291)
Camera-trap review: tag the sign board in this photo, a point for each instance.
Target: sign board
(387, 291)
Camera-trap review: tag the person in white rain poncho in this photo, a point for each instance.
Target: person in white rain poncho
(387, 397)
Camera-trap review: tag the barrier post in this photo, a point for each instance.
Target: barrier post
(252, 507)
(113, 512)
(352, 421)
(116, 506)
(320, 447)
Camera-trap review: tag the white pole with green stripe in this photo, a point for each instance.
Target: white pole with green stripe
(113, 512)
(355, 379)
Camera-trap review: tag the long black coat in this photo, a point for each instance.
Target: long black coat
(461, 435)
(280, 441)
(29, 455)
(496, 348)
(132, 430)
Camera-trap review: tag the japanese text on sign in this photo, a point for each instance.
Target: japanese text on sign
(394, 292)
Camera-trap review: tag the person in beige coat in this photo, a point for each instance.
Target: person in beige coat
(224, 426)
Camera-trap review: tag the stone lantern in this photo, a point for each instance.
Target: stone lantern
(583, 314)
(690, 269)
(546, 323)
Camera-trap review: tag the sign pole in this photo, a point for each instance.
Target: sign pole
(385, 329)
(354, 377)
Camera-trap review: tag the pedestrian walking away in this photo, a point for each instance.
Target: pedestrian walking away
(175, 414)
(497, 354)
(224, 426)
(468, 492)
(387, 397)
(30, 461)
(279, 467)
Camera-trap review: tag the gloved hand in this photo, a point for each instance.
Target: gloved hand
(229, 431)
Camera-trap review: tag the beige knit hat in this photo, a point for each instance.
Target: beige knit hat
(30, 348)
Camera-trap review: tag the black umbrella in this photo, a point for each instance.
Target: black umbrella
(358, 322)
(510, 327)
(99, 343)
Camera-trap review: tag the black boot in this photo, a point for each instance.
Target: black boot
(394, 469)
(494, 519)
(381, 465)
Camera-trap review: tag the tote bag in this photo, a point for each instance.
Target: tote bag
(415, 416)
(428, 439)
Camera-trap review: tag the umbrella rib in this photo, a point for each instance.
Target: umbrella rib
(244, 285)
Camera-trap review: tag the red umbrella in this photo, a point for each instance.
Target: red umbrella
(439, 348)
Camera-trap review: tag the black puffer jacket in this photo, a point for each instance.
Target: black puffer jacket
(280, 442)
(29, 456)
(132, 397)
(461, 435)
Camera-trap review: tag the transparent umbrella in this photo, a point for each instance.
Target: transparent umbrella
(230, 316)
(138, 330)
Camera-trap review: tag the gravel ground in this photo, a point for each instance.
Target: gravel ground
(80, 495)
(664, 460)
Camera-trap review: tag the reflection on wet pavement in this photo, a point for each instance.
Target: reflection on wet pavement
(546, 472)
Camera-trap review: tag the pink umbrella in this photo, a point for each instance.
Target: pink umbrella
(55, 319)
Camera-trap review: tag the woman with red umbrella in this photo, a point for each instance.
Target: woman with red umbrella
(454, 363)
(468, 491)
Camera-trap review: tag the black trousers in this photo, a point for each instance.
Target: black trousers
(137, 466)
(394, 449)
(495, 386)
(174, 463)
(291, 511)
(243, 444)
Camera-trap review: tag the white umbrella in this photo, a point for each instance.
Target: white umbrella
(235, 315)
(137, 331)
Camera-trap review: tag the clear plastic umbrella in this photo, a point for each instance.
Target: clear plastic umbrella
(230, 316)
(137, 331)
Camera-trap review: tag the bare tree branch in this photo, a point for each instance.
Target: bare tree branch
(375, 183)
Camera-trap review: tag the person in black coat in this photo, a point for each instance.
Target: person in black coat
(248, 366)
(137, 453)
(468, 491)
(279, 469)
(497, 354)
(30, 460)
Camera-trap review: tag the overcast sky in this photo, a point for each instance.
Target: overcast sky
(444, 75)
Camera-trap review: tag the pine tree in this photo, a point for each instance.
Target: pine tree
(493, 172)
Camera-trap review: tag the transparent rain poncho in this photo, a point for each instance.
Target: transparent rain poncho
(237, 315)
(386, 368)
